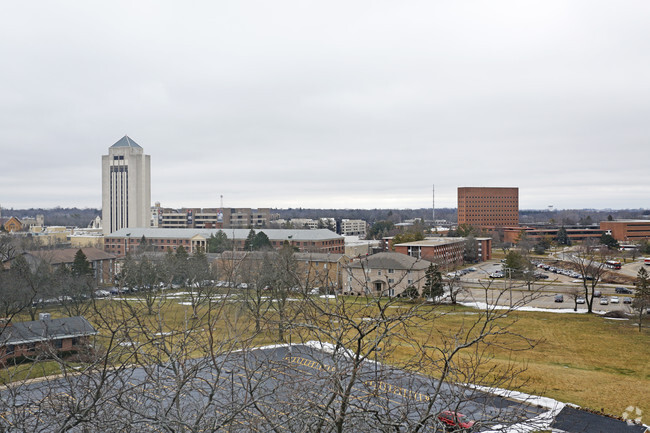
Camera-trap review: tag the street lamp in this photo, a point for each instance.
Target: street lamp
(505, 282)
(232, 385)
(377, 349)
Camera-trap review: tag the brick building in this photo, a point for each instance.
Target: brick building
(627, 230)
(513, 234)
(488, 207)
(444, 251)
(102, 263)
(43, 337)
(160, 239)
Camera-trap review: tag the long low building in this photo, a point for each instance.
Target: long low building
(627, 230)
(444, 251)
(159, 239)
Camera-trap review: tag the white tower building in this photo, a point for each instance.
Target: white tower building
(126, 186)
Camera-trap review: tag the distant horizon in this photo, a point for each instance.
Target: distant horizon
(2, 208)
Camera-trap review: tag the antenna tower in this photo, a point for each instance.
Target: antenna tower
(434, 206)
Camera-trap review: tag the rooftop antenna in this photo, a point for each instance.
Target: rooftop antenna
(434, 205)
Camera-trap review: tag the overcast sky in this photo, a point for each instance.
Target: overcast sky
(333, 104)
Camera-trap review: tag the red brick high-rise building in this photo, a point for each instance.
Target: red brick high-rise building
(488, 207)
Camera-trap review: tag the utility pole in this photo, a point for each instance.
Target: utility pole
(433, 215)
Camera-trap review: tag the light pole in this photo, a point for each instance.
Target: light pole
(377, 349)
(505, 282)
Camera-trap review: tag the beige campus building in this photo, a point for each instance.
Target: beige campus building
(126, 187)
(385, 274)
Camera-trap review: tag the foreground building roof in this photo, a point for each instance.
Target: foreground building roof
(45, 330)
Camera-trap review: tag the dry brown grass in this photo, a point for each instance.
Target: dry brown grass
(583, 359)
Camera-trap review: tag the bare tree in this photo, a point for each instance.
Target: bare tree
(168, 372)
(590, 262)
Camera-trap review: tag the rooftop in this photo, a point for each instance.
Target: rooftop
(46, 329)
(273, 234)
(390, 261)
(126, 142)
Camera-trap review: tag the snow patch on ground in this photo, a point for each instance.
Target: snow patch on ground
(483, 306)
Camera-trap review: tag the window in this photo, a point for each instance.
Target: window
(390, 280)
(391, 271)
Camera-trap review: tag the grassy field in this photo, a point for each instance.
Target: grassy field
(583, 359)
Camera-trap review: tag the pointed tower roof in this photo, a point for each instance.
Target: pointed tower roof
(126, 142)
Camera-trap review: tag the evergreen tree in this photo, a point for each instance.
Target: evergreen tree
(433, 286)
(219, 242)
(470, 250)
(261, 241)
(609, 241)
(81, 266)
(248, 243)
(562, 237)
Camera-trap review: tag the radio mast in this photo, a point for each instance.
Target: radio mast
(433, 215)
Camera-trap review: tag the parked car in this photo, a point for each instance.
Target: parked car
(559, 298)
(454, 419)
(496, 275)
(597, 294)
(623, 290)
(613, 300)
(627, 300)
(580, 300)
(604, 301)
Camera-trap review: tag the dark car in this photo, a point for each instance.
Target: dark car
(454, 419)
(623, 290)
(627, 300)
(559, 298)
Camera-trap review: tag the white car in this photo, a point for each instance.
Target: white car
(613, 300)
(604, 301)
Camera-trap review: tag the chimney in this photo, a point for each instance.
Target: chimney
(44, 317)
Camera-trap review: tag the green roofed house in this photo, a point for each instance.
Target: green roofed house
(43, 337)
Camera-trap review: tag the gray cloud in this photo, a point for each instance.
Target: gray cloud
(333, 104)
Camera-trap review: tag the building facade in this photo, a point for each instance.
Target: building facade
(488, 207)
(384, 274)
(126, 187)
(444, 251)
(627, 230)
(160, 239)
(353, 228)
(513, 234)
(210, 218)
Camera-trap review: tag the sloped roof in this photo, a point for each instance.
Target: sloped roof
(47, 329)
(126, 142)
(390, 261)
(66, 255)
